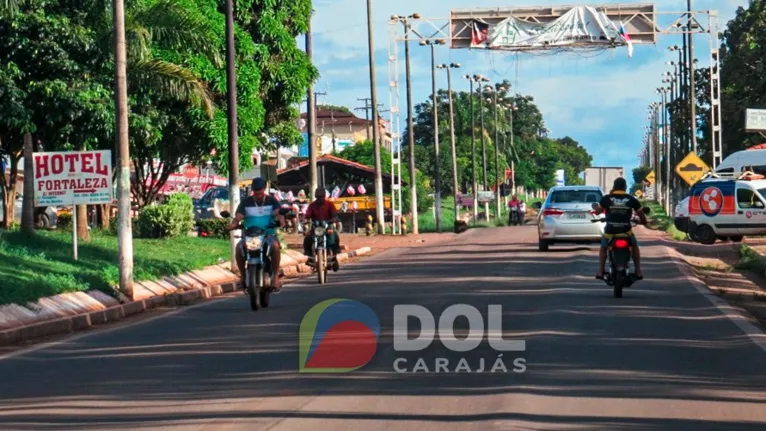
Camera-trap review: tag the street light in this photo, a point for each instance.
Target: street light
(494, 92)
(471, 80)
(483, 145)
(410, 127)
(512, 107)
(437, 179)
(452, 135)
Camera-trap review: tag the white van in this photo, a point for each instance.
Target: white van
(724, 208)
(742, 161)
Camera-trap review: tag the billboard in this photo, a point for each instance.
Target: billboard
(560, 177)
(66, 178)
(578, 26)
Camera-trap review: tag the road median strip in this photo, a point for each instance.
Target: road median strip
(78, 311)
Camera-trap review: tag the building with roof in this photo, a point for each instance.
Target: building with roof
(336, 130)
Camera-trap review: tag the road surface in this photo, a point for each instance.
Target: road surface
(661, 358)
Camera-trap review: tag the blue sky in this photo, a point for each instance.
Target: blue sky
(598, 99)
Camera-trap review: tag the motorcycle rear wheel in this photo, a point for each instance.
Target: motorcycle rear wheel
(619, 282)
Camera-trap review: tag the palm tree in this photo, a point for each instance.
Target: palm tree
(164, 25)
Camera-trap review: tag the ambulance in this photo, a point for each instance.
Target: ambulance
(726, 208)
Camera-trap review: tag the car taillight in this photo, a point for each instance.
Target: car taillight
(621, 243)
(552, 211)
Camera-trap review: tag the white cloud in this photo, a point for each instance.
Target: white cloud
(599, 100)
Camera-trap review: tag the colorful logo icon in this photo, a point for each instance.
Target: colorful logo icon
(337, 336)
(711, 201)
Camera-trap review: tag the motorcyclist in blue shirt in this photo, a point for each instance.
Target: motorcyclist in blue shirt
(260, 210)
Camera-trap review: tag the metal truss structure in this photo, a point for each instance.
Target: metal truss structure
(642, 22)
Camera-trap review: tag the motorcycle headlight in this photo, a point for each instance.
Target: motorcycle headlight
(319, 231)
(253, 243)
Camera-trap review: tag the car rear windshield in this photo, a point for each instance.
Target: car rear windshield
(575, 196)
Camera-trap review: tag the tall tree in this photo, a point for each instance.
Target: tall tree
(537, 156)
(743, 74)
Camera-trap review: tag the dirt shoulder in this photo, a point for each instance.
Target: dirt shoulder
(731, 272)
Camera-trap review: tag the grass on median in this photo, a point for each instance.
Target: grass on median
(658, 220)
(43, 265)
(427, 220)
(750, 260)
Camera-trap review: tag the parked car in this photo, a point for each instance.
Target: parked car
(565, 216)
(45, 217)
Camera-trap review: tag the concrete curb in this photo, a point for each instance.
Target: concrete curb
(181, 297)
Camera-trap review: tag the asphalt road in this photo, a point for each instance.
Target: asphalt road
(661, 358)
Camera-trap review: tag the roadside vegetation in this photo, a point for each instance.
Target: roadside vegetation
(750, 260)
(44, 265)
(659, 220)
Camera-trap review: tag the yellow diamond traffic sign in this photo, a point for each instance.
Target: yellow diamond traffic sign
(691, 168)
(650, 177)
(639, 193)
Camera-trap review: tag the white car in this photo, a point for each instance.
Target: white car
(566, 216)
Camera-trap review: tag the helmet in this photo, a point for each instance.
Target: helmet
(258, 184)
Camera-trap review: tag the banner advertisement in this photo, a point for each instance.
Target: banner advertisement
(582, 25)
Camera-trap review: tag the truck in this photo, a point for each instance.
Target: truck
(603, 177)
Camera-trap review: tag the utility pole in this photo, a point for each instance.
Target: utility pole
(231, 90)
(410, 125)
(311, 117)
(367, 107)
(124, 229)
(455, 185)
(497, 156)
(471, 80)
(483, 146)
(512, 108)
(366, 112)
(437, 159)
(375, 124)
(692, 90)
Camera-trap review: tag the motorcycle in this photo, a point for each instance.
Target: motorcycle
(619, 256)
(291, 219)
(322, 254)
(515, 215)
(258, 268)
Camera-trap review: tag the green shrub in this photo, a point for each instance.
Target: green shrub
(172, 219)
(65, 221)
(215, 227)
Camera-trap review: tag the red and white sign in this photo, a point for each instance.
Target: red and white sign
(73, 178)
(194, 187)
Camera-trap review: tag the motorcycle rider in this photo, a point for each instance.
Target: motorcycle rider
(619, 207)
(514, 205)
(321, 210)
(259, 210)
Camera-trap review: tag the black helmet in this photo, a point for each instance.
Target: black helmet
(258, 184)
(620, 184)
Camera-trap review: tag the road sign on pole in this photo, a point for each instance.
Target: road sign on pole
(485, 196)
(691, 168)
(639, 193)
(71, 178)
(755, 120)
(650, 177)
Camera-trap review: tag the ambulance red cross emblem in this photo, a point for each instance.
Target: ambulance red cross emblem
(711, 201)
